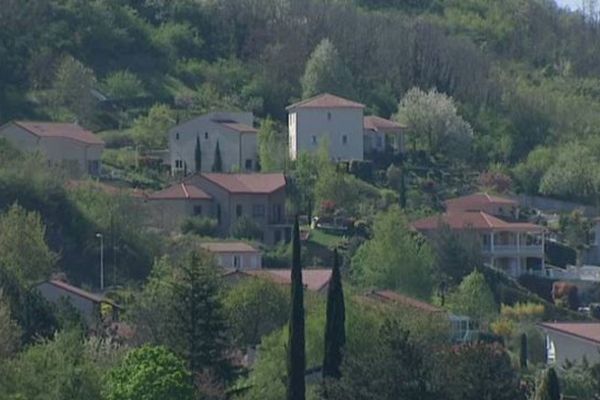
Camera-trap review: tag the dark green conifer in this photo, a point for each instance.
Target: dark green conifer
(218, 162)
(198, 155)
(296, 363)
(335, 330)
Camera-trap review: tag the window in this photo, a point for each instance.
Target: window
(329, 116)
(178, 164)
(197, 210)
(236, 262)
(219, 213)
(344, 139)
(379, 142)
(177, 136)
(238, 210)
(258, 210)
(314, 139)
(205, 135)
(93, 167)
(248, 164)
(277, 236)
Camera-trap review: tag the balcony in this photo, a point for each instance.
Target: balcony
(513, 249)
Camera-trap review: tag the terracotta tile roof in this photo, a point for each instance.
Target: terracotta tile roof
(377, 124)
(313, 279)
(326, 100)
(583, 330)
(476, 201)
(394, 297)
(238, 127)
(228, 247)
(80, 292)
(60, 130)
(472, 220)
(180, 191)
(247, 183)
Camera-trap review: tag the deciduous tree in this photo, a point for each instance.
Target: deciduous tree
(326, 72)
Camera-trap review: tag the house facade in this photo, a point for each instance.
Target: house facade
(327, 120)
(381, 134)
(571, 341)
(234, 255)
(232, 132)
(91, 306)
(513, 247)
(68, 145)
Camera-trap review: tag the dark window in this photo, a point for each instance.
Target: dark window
(277, 236)
(178, 164)
(258, 210)
(314, 139)
(238, 210)
(93, 167)
(197, 210)
(344, 139)
(205, 135)
(177, 136)
(219, 213)
(248, 164)
(329, 116)
(236, 261)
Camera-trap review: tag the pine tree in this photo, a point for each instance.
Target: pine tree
(296, 363)
(335, 331)
(524, 351)
(218, 162)
(548, 387)
(198, 155)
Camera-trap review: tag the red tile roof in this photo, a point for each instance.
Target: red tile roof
(326, 100)
(472, 220)
(313, 279)
(394, 297)
(247, 183)
(80, 292)
(476, 202)
(228, 247)
(583, 330)
(238, 127)
(377, 124)
(180, 191)
(60, 130)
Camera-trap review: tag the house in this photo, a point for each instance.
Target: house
(236, 255)
(171, 206)
(327, 120)
(380, 134)
(92, 307)
(64, 144)
(572, 341)
(232, 132)
(514, 247)
(314, 279)
(226, 198)
(258, 197)
(462, 328)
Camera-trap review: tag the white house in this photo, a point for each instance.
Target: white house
(68, 145)
(572, 341)
(231, 131)
(329, 119)
(236, 255)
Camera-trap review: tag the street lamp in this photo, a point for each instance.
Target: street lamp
(99, 235)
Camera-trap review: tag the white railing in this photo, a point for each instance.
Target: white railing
(514, 249)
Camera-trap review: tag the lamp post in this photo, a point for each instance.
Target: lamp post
(99, 235)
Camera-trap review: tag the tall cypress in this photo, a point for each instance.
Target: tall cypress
(523, 354)
(198, 155)
(548, 387)
(217, 163)
(296, 363)
(402, 188)
(335, 330)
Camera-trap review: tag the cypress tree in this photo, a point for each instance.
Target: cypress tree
(524, 351)
(548, 387)
(335, 330)
(402, 189)
(296, 363)
(218, 163)
(198, 155)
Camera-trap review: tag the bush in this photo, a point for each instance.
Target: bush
(246, 228)
(201, 226)
(117, 139)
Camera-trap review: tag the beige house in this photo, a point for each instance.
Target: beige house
(328, 119)
(571, 341)
(231, 131)
(513, 247)
(171, 206)
(91, 306)
(381, 133)
(68, 145)
(227, 198)
(314, 279)
(236, 255)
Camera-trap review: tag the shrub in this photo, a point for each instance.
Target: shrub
(201, 226)
(246, 228)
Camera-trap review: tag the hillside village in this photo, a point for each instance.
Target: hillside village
(260, 199)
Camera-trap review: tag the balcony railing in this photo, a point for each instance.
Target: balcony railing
(513, 249)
